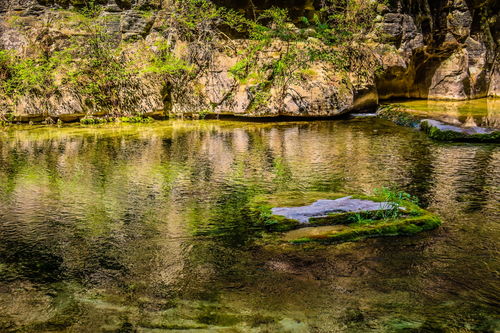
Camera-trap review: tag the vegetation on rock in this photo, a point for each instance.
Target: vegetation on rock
(448, 135)
(93, 64)
(395, 114)
(98, 120)
(402, 216)
(398, 115)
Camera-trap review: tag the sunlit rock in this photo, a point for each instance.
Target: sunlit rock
(333, 217)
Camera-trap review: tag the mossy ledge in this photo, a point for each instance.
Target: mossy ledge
(438, 130)
(131, 119)
(403, 217)
(397, 116)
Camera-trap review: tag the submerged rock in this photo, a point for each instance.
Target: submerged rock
(332, 217)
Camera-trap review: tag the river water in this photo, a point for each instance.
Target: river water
(484, 112)
(143, 228)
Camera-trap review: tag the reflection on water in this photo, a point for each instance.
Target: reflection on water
(118, 229)
(483, 112)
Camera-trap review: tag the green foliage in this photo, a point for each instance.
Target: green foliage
(136, 119)
(260, 95)
(273, 25)
(190, 17)
(6, 118)
(203, 114)
(394, 201)
(333, 36)
(90, 8)
(164, 62)
(345, 21)
(27, 75)
(91, 66)
(240, 70)
(278, 55)
(105, 120)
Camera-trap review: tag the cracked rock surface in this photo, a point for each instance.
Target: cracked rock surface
(323, 207)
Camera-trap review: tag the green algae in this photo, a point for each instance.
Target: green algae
(106, 120)
(401, 115)
(409, 219)
(261, 206)
(394, 113)
(483, 111)
(393, 227)
(445, 135)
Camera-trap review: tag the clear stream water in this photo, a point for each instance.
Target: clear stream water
(142, 228)
(483, 112)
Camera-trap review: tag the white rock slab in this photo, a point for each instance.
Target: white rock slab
(323, 207)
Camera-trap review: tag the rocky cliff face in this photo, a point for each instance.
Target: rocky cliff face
(444, 49)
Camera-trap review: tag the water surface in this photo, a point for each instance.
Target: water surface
(142, 228)
(483, 112)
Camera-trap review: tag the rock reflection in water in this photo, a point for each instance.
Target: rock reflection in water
(144, 227)
(472, 113)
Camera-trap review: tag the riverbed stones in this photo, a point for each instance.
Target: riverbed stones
(335, 217)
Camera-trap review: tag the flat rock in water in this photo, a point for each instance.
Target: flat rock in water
(463, 130)
(313, 232)
(322, 208)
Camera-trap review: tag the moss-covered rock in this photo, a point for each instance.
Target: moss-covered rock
(105, 120)
(436, 129)
(442, 132)
(395, 215)
(395, 114)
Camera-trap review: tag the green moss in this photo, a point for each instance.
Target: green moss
(136, 119)
(437, 134)
(97, 120)
(408, 219)
(395, 114)
(261, 207)
(393, 227)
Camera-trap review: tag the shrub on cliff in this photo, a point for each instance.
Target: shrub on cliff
(94, 63)
(335, 35)
(92, 66)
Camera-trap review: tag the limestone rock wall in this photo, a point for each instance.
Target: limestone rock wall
(446, 49)
(436, 49)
